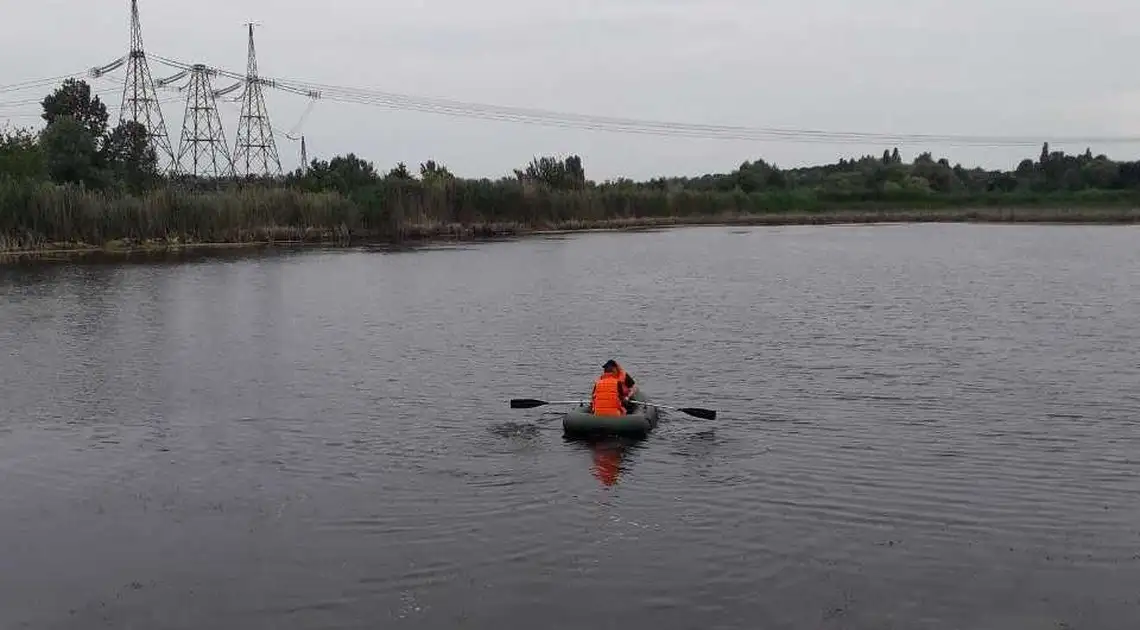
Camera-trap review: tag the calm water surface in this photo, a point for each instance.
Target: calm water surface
(920, 427)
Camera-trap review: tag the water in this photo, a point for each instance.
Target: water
(920, 427)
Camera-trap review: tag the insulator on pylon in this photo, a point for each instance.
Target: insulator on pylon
(172, 79)
(101, 70)
(227, 90)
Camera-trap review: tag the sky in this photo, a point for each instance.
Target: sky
(980, 67)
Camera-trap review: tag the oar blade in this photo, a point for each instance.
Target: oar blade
(526, 403)
(697, 412)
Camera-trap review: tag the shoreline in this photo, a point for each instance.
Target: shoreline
(277, 237)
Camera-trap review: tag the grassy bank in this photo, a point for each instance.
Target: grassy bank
(81, 184)
(40, 216)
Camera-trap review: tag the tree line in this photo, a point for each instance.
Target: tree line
(77, 146)
(79, 158)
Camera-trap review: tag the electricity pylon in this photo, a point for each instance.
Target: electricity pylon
(140, 100)
(202, 150)
(255, 150)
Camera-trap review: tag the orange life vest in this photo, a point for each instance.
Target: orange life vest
(607, 396)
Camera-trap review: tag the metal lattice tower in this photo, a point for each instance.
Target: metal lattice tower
(202, 150)
(140, 100)
(255, 151)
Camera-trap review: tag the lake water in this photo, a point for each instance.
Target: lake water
(928, 426)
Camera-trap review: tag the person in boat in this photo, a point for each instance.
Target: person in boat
(612, 391)
(609, 397)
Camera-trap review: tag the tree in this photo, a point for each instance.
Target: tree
(1003, 182)
(73, 99)
(128, 155)
(70, 152)
(751, 177)
(430, 171)
(557, 174)
(575, 173)
(21, 155)
(343, 173)
(1101, 173)
(400, 172)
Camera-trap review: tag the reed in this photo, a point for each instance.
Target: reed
(38, 215)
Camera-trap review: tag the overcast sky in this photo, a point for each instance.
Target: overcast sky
(988, 67)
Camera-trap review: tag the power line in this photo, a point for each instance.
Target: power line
(449, 107)
(38, 83)
(395, 101)
(550, 118)
(39, 101)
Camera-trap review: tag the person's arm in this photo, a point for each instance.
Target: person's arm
(630, 385)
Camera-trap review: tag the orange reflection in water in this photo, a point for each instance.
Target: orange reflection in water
(607, 463)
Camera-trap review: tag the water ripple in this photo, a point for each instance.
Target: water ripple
(919, 426)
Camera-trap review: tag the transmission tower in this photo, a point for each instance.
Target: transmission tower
(255, 148)
(203, 141)
(140, 100)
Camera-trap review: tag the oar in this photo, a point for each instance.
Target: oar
(530, 403)
(696, 412)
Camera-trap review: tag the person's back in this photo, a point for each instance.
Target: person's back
(607, 399)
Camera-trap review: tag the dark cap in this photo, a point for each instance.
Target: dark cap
(609, 364)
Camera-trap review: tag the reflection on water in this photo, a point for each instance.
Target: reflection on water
(610, 455)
